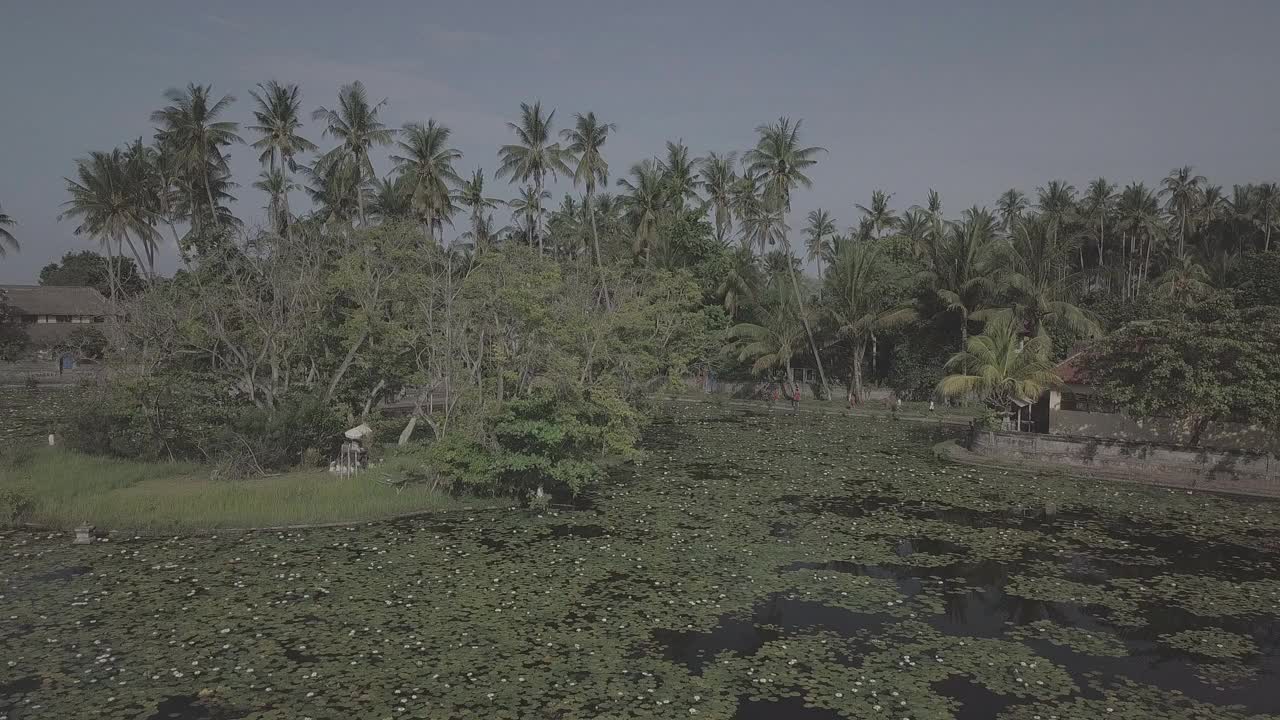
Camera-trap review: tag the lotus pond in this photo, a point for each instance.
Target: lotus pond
(753, 566)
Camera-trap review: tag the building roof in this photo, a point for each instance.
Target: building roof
(56, 300)
(1070, 370)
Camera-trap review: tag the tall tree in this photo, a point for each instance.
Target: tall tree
(1181, 190)
(1098, 203)
(7, 240)
(1010, 206)
(999, 366)
(472, 196)
(533, 156)
(646, 202)
(585, 149)
(426, 160)
(879, 213)
(1042, 295)
(781, 159)
(190, 131)
(278, 114)
(680, 175)
(1056, 201)
(818, 234)
(107, 207)
(1139, 212)
(960, 260)
(719, 174)
(1266, 202)
(391, 198)
(858, 303)
(355, 124)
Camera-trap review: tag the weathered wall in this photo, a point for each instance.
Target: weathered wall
(1226, 436)
(1149, 463)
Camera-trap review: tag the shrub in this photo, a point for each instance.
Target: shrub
(161, 417)
(16, 506)
(258, 439)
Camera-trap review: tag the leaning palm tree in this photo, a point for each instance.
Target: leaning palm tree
(7, 240)
(472, 196)
(818, 234)
(1000, 368)
(189, 130)
(859, 304)
(355, 124)
(879, 213)
(107, 207)
(1182, 191)
(279, 120)
(533, 156)
(781, 160)
(426, 159)
(646, 202)
(585, 147)
(680, 174)
(718, 178)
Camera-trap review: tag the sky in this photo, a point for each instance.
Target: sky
(966, 98)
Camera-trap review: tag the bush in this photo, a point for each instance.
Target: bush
(257, 440)
(16, 506)
(160, 417)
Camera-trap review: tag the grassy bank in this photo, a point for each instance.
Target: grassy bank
(62, 489)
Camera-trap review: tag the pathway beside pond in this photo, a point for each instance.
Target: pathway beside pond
(753, 566)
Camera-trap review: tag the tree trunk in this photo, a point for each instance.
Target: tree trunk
(595, 247)
(537, 196)
(342, 369)
(855, 371)
(964, 328)
(813, 345)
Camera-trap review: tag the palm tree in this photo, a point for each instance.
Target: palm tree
(427, 161)
(1000, 367)
(1056, 201)
(879, 213)
(533, 156)
(959, 261)
(7, 240)
(354, 122)
(680, 174)
(1266, 203)
(189, 130)
(914, 225)
(472, 196)
(859, 304)
(530, 208)
(276, 185)
(279, 118)
(741, 280)
(1139, 212)
(718, 179)
(818, 233)
(586, 141)
(106, 204)
(335, 188)
(771, 344)
(391, 198)
(646, 203)
(747, 202)
(1098, 203)
(1039, 292)
(782, 160)
(1184, 282)
(1010, 206)
(1182, 190)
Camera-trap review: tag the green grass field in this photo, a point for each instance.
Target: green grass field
(62, 489)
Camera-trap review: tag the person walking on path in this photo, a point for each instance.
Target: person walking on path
(795, 398)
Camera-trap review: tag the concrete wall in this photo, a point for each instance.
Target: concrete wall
(1149, 463)
(1224, 436)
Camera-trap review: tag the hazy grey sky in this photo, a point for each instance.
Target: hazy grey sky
(905, 95)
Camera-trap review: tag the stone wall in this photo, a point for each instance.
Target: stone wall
(1218, 435)
(1162, 464)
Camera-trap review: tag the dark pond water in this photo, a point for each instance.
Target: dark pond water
(749, 567)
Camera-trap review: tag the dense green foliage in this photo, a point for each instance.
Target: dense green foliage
(13, 339)
(89, 269)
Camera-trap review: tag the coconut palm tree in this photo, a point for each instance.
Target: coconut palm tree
(1034, 283)
(1010, 206)
(1098, 203)
(740, 282)
(1184, 282)
(335, 188)
(770, 344)
(879, 213)
(781, 160)
(680, 174)
(106, 204)
(585, 145)
(530, 208)
(1000, 367)
(472, 196)
(818, 232)
(960, 265)
(391, 198)
(7, 240)
(276, 184)
(1182, 192)
(719, 175)
(646, 202)
(858, 303)
(914, 225)
(355, 124)
(1056, 201)
(1266, 204)
(426, 159)
(191, 133)
(278, 114)
(533, 156)
(1140, 222)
